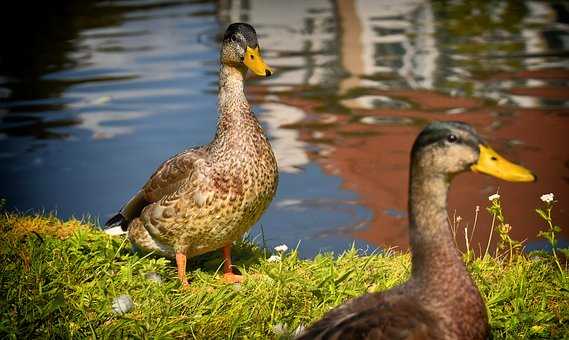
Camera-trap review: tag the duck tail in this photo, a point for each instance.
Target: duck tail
(117, 220)
(118, 224)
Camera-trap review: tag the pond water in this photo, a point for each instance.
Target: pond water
(97, 94)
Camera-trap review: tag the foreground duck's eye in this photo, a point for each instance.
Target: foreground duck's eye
(452, 138)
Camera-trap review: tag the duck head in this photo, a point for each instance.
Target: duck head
(240, 47)
(449, 148)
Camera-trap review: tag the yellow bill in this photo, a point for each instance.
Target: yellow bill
(491, 163)
(255, 62)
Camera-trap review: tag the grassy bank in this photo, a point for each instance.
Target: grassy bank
(59, 279)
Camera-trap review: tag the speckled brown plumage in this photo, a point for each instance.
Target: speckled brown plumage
(440, 301)
(206, 197)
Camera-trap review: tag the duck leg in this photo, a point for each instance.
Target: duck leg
(228, 275)
(181, 264)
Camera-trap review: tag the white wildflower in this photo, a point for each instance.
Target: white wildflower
(547, 198)
(274, 258)
(493, 197)
(282, 248)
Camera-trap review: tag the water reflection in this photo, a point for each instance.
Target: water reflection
(127, 84)
(376, 71)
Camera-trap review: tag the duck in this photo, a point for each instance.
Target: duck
(440, 300)
(206, 197)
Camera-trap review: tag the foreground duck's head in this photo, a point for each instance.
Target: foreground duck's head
(240, 47)
(449, 148)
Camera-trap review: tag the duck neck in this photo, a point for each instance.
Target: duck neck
(232, 104)
(433, 249)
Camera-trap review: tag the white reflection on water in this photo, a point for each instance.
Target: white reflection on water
(388, 26)
(94, 123)
(289, 149)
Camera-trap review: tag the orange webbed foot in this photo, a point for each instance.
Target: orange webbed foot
(232, 278)
(228, 275)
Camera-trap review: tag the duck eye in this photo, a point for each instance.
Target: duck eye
(452, 138)
(252, 57)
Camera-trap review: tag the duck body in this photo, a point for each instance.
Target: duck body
(393, 316)
(440, 300)
(206, 197)
(450, 309)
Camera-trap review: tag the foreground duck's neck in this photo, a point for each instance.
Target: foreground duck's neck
(433, 249)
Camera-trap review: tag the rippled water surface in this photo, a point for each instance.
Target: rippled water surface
(98, 94)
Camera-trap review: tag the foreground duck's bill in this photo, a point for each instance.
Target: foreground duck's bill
(255, 62)
(491, 163)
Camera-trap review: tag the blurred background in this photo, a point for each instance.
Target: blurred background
(94, 95)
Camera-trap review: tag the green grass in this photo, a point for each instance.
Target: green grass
(59, 279)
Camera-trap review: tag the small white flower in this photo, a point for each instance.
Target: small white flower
(493, 197)
(282, 248)
(274, 258)
(547, 198)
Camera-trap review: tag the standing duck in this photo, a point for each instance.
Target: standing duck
(440, 300)
(206, 197)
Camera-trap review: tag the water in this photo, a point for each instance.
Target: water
(111, 89)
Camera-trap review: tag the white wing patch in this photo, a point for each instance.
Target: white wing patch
(114, 231)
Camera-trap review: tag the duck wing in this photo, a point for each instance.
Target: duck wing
(373, 316)
(170, 175)
(166, 180)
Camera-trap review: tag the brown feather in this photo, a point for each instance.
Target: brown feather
(169, 175)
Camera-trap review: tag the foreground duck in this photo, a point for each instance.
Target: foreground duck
(206, 197)
(440, 301)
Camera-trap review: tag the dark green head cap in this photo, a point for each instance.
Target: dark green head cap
(441, 132)
(246, 30)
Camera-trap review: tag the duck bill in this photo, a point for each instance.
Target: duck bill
(255, 62)
(491, 163)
